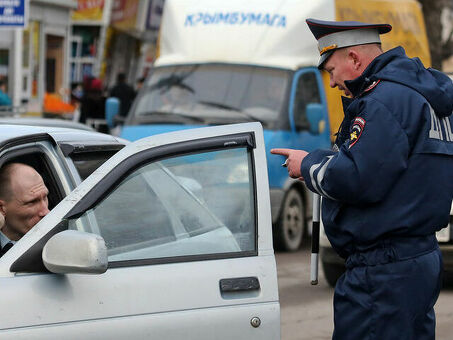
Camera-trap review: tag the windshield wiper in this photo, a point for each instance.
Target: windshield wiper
(169, 117)
(174, 79)
(220, 105)
(231, 108)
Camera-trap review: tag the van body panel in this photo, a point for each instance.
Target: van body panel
(242, 32)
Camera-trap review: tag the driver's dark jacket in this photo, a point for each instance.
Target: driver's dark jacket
(392, 177)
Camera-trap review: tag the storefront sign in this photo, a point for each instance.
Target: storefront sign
(13, 13)
(124, 14)
(88, 10)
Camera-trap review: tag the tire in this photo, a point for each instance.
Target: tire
(447, 280)
(332, 272)
(290, 228)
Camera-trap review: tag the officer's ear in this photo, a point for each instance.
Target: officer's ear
(354, 58)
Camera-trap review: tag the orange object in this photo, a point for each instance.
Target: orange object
(54, 104)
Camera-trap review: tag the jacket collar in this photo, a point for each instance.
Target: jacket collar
(359, 84)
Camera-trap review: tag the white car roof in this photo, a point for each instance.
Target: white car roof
(8, 132)
(38, 121)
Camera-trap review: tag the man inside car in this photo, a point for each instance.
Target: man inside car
(23, 202)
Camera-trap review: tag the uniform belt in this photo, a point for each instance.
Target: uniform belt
(392, 250)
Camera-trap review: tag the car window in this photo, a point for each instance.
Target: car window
(42, 161)
(189, 205)
(87, 162)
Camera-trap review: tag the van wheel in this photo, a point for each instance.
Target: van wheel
(290, 227)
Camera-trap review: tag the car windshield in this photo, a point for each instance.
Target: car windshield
(212, 94)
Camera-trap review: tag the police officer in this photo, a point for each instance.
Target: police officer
(389, 185)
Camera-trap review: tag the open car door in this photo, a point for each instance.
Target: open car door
(171, 238)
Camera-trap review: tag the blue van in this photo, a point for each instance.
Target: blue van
(290, 105)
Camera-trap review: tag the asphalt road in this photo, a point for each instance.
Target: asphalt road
(306, 310)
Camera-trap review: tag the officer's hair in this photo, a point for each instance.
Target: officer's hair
(365, 48)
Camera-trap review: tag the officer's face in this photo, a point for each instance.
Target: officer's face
(341, 66)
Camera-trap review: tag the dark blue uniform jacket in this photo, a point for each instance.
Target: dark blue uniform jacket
(393, 174)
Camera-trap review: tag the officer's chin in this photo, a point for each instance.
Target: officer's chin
(347, 93)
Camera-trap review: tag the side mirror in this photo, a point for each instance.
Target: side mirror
(112, 108)
(75, 252)
(315, 118)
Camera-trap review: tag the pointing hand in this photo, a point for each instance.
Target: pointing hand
(293, 160)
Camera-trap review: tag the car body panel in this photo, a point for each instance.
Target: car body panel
(172, 325)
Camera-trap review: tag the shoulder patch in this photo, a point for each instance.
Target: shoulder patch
(356, 131)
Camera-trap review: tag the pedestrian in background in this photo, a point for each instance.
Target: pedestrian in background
(124, 92)
(5, 100)
(139, 84)
(388, 187)
(93, 100)
(76, 93)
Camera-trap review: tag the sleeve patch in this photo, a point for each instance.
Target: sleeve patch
(356, 131)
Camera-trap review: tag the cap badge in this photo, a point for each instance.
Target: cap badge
(328, 48)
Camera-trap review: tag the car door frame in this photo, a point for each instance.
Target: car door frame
(41, 145)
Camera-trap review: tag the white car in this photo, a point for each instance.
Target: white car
(171, 238)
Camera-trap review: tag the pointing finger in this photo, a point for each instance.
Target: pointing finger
(283, 152)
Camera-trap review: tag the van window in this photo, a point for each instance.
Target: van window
(307, 91)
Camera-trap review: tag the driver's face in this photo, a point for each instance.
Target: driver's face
(27, 205)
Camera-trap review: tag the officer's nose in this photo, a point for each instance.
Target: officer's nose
(332, 82)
